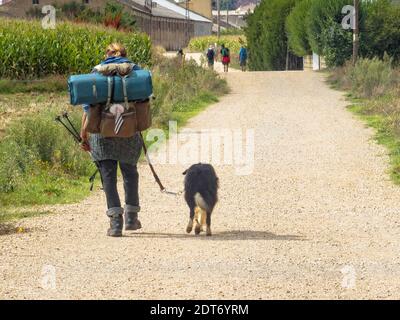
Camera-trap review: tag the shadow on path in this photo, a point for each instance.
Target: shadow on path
(7, 228)
(221, 236)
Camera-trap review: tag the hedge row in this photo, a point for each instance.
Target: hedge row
(305, 26)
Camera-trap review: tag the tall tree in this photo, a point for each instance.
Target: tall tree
(266, 35)
(296, 28)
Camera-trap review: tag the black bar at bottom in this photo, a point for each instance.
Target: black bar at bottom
(199, 309)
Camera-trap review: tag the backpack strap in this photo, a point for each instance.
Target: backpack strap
(125, 92)
(110, 81)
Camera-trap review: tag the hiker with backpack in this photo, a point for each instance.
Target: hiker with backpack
(109, 152)
(226, 57)
(243, 57)
(210, 57)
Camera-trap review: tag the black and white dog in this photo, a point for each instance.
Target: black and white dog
(201, 195)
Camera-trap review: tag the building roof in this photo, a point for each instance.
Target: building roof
(138, 5)
(165, 8)
(160, 11)
(173, 6)
(241, 11)
(142, 5)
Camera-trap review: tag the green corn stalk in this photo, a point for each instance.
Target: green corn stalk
(29, 51)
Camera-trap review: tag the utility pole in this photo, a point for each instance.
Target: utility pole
(219, 18)
(187, 21)
(356, 32)
(227, 17)
(151, 18)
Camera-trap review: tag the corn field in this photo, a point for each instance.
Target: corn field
(200, 44)
(29, 51)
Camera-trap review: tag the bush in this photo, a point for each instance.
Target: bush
(49, 142)
(118, 18)
(15, 162)
(382, 30)
(176, 87)
(339, 76)
(28, 51)
(368, 78)
(338, 44)
(372, 77)
(35, 141)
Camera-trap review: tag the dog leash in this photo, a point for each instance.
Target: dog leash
(153, 171)
(72, 130)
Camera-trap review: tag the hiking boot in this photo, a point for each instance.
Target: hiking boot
(132, 222)
(116, 222)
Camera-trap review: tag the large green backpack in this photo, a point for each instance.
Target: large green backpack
(225, 52)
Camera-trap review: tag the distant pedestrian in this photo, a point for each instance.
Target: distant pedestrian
(226, 57)
(211, 57)
(181, 56)
(243, 55)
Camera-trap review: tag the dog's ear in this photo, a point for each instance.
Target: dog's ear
(184, 173)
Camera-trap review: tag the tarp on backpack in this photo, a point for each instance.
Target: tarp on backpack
(93, 88)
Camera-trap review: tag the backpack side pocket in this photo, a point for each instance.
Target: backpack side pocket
(94, 118)
(143, 115)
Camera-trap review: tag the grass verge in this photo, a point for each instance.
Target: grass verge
(385, 133)
(374, 89)
(48, 84)
(12, 215)
(190, 109)
(46, 187)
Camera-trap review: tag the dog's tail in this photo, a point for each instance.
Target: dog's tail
(201, 203)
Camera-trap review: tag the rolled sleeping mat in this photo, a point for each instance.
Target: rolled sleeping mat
(93, 88)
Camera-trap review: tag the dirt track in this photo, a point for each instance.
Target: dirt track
(318, 217)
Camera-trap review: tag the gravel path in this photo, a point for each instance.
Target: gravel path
(318, 217)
